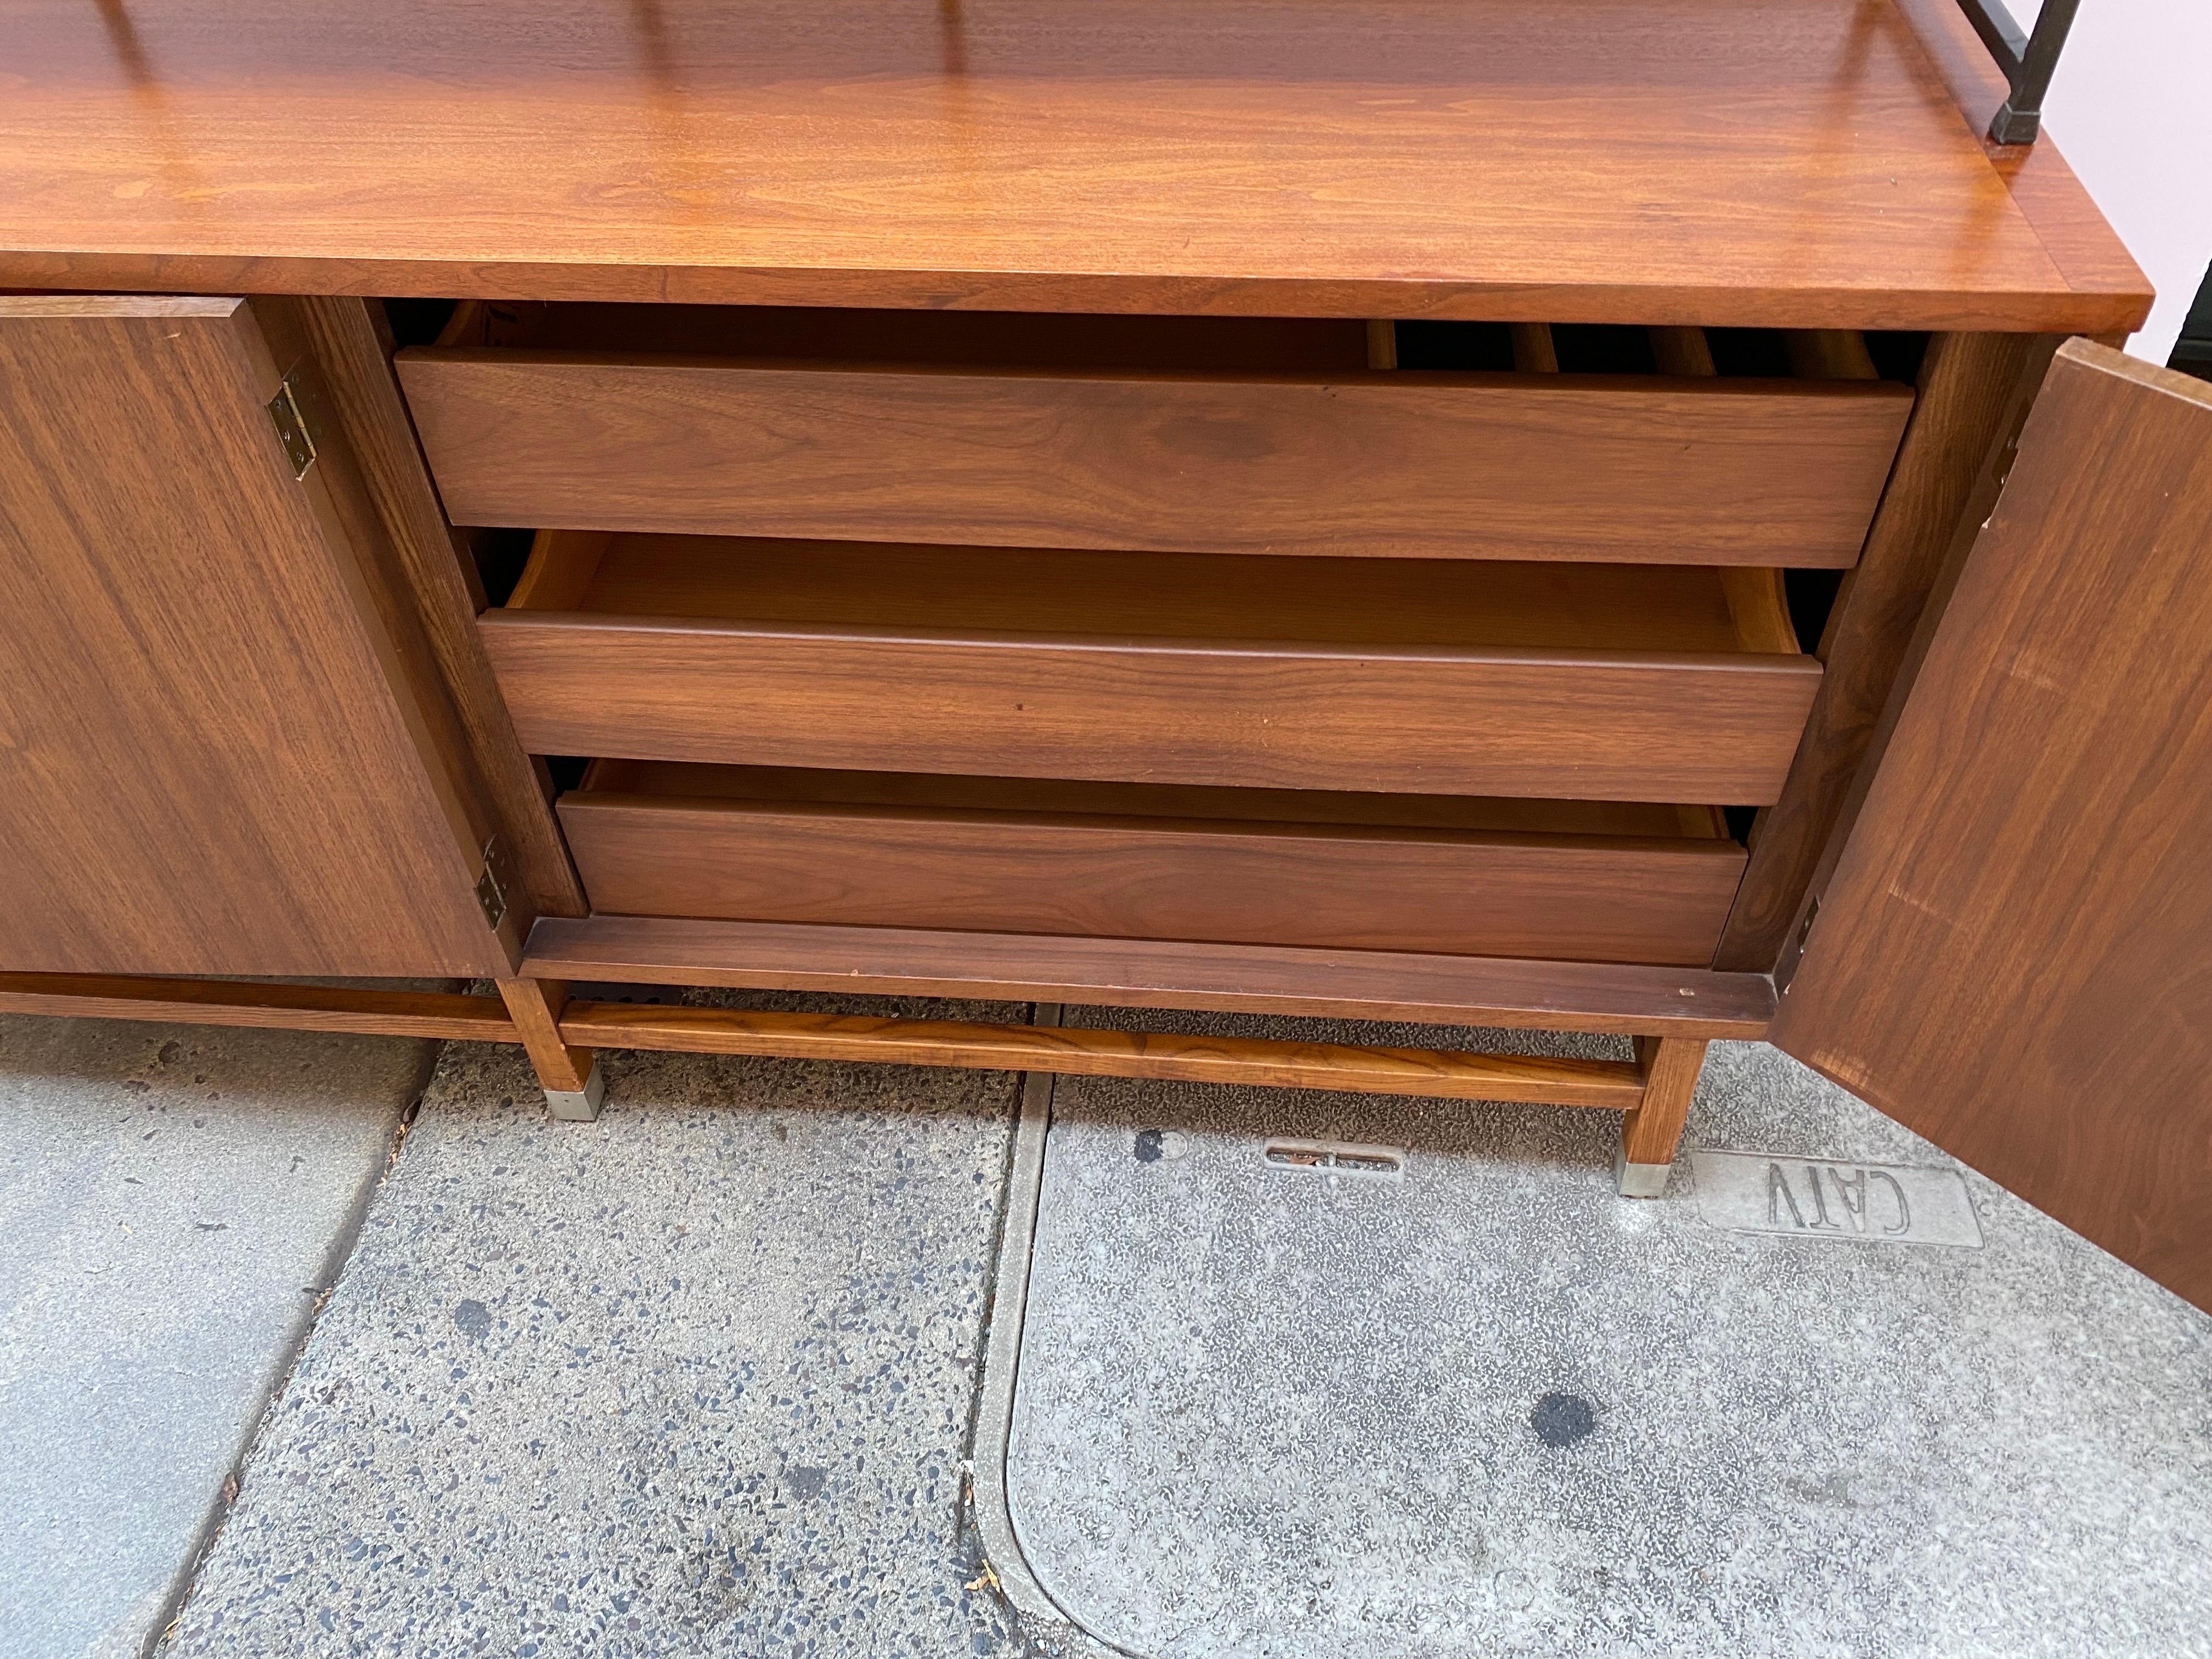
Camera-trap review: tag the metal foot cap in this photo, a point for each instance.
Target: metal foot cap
(1639, 1180)
(579, 1105)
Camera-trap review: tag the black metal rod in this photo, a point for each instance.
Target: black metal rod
(2004, 37)
(2022, 117)
(2028, 60)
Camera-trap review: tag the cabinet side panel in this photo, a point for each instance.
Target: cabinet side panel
(344, 337)
(1973, 392)
(203, 765)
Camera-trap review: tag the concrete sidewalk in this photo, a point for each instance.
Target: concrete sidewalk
(703, 1378)
(696, 1379)
(174, 1200)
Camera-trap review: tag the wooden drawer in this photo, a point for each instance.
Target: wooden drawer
(1598, 682)
(923, 429)
(1579, 880)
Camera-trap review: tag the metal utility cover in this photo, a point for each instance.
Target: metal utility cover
(1485, 1406)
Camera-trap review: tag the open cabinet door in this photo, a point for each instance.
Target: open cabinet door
(2014, 955)
(218, 753)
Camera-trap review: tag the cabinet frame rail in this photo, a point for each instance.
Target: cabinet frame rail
(1645, 1087)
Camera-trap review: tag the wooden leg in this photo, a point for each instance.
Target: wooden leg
(574, 1083)
(1648, 1134)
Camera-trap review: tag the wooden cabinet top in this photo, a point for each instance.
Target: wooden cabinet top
(1775, 162)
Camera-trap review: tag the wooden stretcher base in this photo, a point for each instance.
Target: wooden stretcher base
(1652, 1090)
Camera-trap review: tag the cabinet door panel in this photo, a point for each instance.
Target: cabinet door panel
(2014, 956)
(210, 761)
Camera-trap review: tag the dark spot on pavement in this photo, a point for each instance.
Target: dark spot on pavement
(1561, 1419)
(1148, 1145)
(167, 1052)
(474, 1318)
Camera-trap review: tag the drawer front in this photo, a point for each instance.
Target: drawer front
(1590, 898)
(1416, 464)
(1625, 725)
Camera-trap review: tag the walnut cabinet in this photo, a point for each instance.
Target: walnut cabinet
(1053, 543)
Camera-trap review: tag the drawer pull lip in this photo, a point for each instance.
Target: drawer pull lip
(1362, 464)
(1496, 721)
(1650, 681)
(1594, 658)
(1503, 879)
(595, 801)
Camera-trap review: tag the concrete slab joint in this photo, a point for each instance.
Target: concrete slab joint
(698, 1382)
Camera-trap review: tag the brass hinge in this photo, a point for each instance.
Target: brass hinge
(288, 412)
(492, 882)
(1797, 948)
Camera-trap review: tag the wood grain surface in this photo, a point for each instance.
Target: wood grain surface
(1669, 1068)
(1445, 1074)
(1404, 464)
(1440, 1073)
(536, 1007)
(1346, 601)
(2011, 956)
(1974, 392)
(1714, 728)
(1800, 163)
(1683, 351)
(1534, 351)
(1328, 674)
(210, 758)
(1457, 813)
(2093, 260)
(349, 342)
(1518, 992)
(359, 1009)
(1584, 897)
